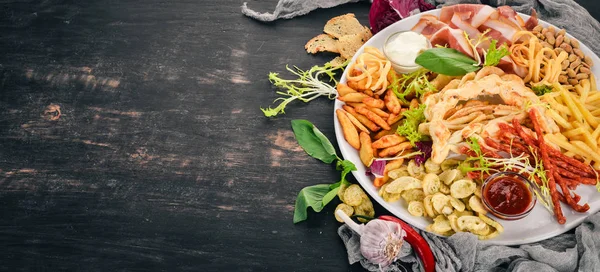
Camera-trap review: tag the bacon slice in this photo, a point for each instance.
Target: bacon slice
(453, 38)
(478, 13)
(499, 30)
(511, 16)
(532, 21)
(428, 25)
(510, 67)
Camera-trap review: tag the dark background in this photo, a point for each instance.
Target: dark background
(161, 159)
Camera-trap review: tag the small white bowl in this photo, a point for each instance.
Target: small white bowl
(402, 69)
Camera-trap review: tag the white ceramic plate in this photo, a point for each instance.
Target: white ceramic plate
(539, 225)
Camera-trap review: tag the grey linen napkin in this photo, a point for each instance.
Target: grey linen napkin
(578, 251)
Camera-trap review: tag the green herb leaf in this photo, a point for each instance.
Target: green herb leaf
(447, 61)
(493, 55)
(542, 89)
(410, 127)
(330, 196)
(308, 86)
(311, 196)
(313, 141)
(414, 84)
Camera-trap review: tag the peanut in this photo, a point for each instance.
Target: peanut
(559, 40)
(544, 31)
(579, 53)
(588, 60)
(582, 76)
(565, 64)
(571, 72)
(567, 40)
(563, 79)
(550, 37)
(562, 32)
(585, 70)
(537, 28)
(574, 64)
(567, 47)
(573, 81)
(572, 57)
(575, 43)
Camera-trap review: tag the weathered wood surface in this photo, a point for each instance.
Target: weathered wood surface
(160, 158)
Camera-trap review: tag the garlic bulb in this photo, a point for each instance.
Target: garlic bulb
(380, 240)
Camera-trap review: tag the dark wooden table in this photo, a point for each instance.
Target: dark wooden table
(160, 158)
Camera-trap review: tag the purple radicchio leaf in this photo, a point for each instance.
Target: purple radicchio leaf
(386, 12)
(376, 169)
(425, 148)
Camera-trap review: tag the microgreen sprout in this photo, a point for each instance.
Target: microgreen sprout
(414, 84)
(308, 86)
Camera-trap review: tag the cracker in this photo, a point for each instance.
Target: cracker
(337, 61)
(343, 25)
(321, 43)
(348, 45)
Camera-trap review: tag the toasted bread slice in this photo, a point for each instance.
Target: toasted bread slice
(343, 25)
(321, 43)
(337, 61)
(349, 44)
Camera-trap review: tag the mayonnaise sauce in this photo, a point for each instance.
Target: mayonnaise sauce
(403, 48)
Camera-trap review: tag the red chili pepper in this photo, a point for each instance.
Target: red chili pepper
(417, 242)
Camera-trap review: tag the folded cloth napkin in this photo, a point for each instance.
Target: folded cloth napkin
(578, 251)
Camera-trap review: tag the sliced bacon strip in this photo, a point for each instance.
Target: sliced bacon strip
(479, 13)
(428, 25)
(510, 16)
(453, 38)
(532, 21)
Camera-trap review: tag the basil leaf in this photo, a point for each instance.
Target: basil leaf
(446, 61)
(313, 141)
(311, 196)
(324, 141)
(330, 196)
(346, 167)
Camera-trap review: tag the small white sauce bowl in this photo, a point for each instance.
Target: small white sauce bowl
(402, 69)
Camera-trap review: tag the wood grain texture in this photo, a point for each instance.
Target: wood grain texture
(160, 158)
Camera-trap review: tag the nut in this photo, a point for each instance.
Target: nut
(582, 76)
(575, 43)
(537, 28)
(567, 40)
(588, 60)
(572, 57)
(557, 50)
(565, 64)
(559, 40)
(585, 70)
(579, 53)
(562, 32)
(567, 47)
(551, 29)
(574, 64)
(547, 45)
(571, 72)
(550, 37)
(563, 79)
(544, 30)
(573, 81)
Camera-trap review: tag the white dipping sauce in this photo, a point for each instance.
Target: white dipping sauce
(403, 48)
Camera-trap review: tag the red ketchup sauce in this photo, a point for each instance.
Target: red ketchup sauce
(507, 194)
